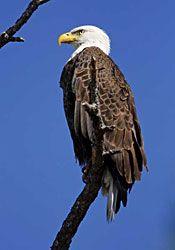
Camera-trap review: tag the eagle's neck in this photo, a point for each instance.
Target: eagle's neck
(103, 45)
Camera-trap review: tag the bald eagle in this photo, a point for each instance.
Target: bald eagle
(123, 145)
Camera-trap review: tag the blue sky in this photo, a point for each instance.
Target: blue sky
(39, 179)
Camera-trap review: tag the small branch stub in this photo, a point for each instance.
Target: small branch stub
(17, 39)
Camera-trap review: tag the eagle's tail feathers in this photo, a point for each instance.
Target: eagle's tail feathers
(109, 189)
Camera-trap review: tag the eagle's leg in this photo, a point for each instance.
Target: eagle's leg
(85, 171)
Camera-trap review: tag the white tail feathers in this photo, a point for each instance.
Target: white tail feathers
(110, 190)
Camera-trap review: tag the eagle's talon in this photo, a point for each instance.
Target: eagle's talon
(85, 178)
(85, 171)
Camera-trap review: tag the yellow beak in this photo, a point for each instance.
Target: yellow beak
(67, 38)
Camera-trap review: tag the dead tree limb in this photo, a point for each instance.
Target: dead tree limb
(8, 35)
(90, 191)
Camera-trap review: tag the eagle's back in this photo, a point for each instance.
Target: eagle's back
(123, 145)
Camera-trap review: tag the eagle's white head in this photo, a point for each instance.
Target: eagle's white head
(86, 36)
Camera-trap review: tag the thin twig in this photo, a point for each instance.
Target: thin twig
(8, 35)
(90, 191)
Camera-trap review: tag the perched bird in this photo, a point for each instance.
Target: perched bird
(123, 144)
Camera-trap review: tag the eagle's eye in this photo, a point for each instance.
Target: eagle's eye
(78, 32)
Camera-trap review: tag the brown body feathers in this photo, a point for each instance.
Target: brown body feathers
(123, 145)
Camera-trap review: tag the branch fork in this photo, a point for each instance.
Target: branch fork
(8, 35)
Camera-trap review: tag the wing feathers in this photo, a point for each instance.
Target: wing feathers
(77, 111)
(134, 165)
(83, 121)
(89, 126)
(127, 167)
(119, 136)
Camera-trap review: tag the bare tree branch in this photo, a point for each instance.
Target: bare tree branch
(90, 191)
(8, 35)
